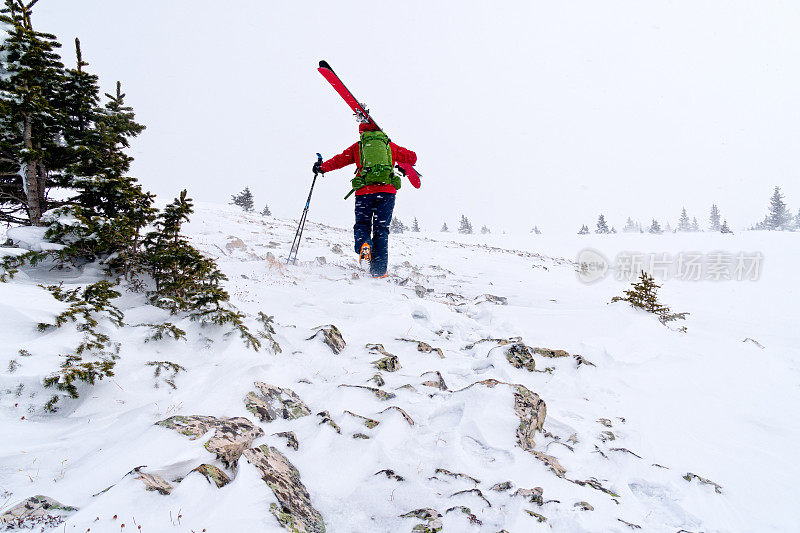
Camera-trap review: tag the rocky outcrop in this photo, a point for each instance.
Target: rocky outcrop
(388, 363)
(291, 439)
(330, 336)
(424, 347)
(533, 495)
(231, 435)
(271, 403)
(432, 518)
(370, 423)
(457, 475)
(153, 482)
(551, 462)
(437, 383)
(35, 511)
(402, 412)
(326, 419)
(213, 475)
(380, 394)
(519, 356)
(294, 510)
(689, 476)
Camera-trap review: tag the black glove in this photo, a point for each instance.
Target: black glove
(317, 168)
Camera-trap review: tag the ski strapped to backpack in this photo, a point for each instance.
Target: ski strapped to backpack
(375, 162)
(363, 115)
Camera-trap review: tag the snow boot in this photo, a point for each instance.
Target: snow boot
(365, 254)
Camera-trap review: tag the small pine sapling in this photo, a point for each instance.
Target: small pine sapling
(644, 295)
(166, 367)
(267, 331)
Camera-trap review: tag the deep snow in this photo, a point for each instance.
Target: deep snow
(703, 401)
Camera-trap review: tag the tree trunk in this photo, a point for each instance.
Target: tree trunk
(29, 179)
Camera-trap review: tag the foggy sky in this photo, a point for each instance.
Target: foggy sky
(521, 112)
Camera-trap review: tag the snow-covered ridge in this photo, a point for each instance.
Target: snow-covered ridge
(638, 418)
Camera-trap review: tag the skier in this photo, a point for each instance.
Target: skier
(375, 185)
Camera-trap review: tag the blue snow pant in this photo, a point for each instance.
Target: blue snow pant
(373, 215)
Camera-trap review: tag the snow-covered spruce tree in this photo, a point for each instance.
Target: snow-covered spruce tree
(536, 230)
(683, 222)
(415, 226)
(695, 225)
(602, 225)
(186, 280)
(655, 228)
(644, 295)
(485, 230)
(445, 229)
(714, 218)
(630, 226)
(397, 226)
(465, 226)
(613, 229)
(584, 230)
(266, 212)
(779, 217)
(31, 116)
(724, 228)
(244, 199)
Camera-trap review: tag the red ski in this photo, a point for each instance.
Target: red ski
(327, 72)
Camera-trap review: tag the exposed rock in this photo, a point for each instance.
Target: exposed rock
(607, 435)
(326, 419)
(295, 512)
(520, 357)
(231, 435)
(360, 436)
(477, 492)
(434, 526)
(213, 475)
(421, 291)
(437, 383)
(689, 476)
(380, 394)
(581, 360)
(431, 516)
(152, 482)
(626, 450)
(499, 342)
(35, 511)
(321, 261)
(491, 298)
(528, 406)
(533, 495)
(402, 412)
(502, 487)
(467, 511)
(755, 342)
(370, 423)
(547, 352)
(551, 462)
(537, 516)
(390, 363)
(584, 506)
(629, 524)
(291, 439)
(390, 474)
(424, 347)
(378, 379)
(456, 475)
(595, 484)
(331, 336)
(272, 403)
(605, 421)
(407, 386)
(235, 243)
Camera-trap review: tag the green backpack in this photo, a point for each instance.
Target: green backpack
(375, 158)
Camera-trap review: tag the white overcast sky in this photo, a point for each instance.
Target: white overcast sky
(522, 113)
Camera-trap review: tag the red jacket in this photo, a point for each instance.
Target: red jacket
(350, 156)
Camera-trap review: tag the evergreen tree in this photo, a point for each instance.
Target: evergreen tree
(724, 228)
(630, 226)
(584, 230)
(695, 225)
(602, 226)
(32, 153)
(714, 218)
(644, 295)
(244, 199)
(683, 223)
(797, 221)
(266, 212)
(415, 226)
(445, 229)
(397, 226)
(485, 230)
(779, 217)
(655, 228)
(536, 230)
(465, 226)
(613, 229)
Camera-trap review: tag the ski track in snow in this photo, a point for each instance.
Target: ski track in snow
(701, 402)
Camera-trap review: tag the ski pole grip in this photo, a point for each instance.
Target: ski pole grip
(319, 160)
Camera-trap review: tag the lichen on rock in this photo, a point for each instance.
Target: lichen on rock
(291, 439)
(326, 419)
(370, 423)
(519, 356)
(295, 511)
(271, 403)
(437, 383)
(332, 337)
(153, 482)
(405, 415)
(34, 511)
(690, 476)
(231, 435)
(214, 475)
(380, 394)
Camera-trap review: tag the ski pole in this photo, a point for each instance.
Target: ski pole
(298, 236)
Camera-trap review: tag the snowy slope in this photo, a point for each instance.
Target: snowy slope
(656, 405)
